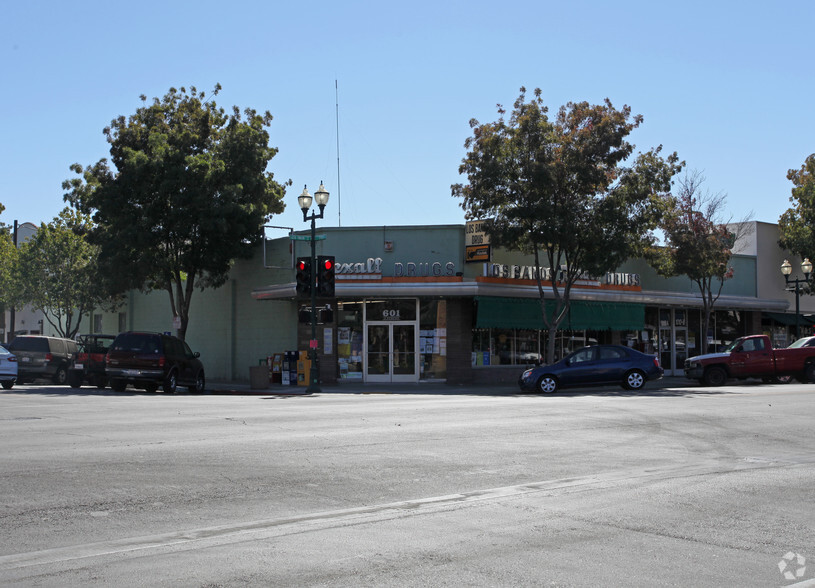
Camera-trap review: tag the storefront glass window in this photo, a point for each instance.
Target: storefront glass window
(481, 347)
(506, 347)
(433, 339)
(349, 340)
(728, 327)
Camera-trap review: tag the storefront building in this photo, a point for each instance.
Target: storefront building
(421, 303)
(436, 303)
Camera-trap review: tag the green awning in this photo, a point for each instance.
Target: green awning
(525, 313)
(789, 319)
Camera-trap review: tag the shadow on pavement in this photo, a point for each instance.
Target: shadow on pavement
(666, 388)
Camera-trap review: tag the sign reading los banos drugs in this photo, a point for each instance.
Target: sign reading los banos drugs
(371, 269)
(476, 242)
(530, 272)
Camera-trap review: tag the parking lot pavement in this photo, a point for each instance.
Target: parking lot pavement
(243, 388)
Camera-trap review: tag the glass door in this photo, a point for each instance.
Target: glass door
(391, 352)
(378, 354)
(666, 350)
(673, 340)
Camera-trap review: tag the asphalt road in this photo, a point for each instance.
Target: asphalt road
(687, 486)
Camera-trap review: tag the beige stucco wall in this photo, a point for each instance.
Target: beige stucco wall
(770, 257)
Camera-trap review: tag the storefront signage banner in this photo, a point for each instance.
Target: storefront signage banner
(372, 269)
(529, 272)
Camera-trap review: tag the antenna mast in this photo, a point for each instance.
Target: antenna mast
(339, 199)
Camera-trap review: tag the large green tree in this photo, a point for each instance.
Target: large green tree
(797, 223)
(560, 190)
(699, 243)
(188, 194)
(58, 273)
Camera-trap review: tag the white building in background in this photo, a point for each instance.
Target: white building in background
(26, 321)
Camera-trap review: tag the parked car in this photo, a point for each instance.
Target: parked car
(43, 357)
(89, 363)
(8, 368)
(591, 366)
(803, 342)
(753, 356)
(150, 360)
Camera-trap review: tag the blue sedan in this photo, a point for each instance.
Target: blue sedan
(594, 366)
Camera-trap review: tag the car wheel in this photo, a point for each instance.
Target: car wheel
(8, 385)
(777, 380)
(74, 379)
(171, 383)
(715, 376)
(547, 384)
(809, 372)
(199, 386)
(634, 380)
(118, 385)
(61, 376)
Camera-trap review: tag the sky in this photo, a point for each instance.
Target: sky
(375, 98)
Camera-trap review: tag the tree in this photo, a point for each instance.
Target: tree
(797, 223)
(189, 194)
(58, 273)
(698, 243)
(560, 189)
(9, 287)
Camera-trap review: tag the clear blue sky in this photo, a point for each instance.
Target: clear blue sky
(728, 85)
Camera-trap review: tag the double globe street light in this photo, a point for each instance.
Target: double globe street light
(786, 269)
(305, 200)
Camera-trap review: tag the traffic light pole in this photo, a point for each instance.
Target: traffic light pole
(313, 376)
(304, 200)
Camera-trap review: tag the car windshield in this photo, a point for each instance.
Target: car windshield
(4, 351)
(803, 342)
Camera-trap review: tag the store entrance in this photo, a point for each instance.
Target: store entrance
(673, 340)
(391, 352)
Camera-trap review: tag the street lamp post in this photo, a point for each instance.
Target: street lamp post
(304, 199)
(786, 269)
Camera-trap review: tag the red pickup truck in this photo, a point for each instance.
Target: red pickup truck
(754, 357)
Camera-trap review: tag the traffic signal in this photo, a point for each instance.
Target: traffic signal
(325, 276)
(304, 279)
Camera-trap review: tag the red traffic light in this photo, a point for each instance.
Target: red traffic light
(328, 264)
(301, 265)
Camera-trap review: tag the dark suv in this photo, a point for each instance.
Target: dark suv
(42, 357)
(150, 360)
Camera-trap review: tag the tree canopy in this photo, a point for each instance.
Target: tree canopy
(9, 256)
(797, 223)
(187, 195)
(58, 273)
(699, 242)
(560, 189)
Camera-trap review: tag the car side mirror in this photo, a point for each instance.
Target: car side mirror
(739, 349)
(196, 354)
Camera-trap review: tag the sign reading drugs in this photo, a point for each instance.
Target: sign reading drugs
(474, 234)
(476, 242)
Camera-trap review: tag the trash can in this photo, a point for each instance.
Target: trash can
(259, 377)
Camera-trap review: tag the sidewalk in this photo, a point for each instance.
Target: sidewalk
(242, 388)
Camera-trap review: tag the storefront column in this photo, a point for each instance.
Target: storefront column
(459, 341)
